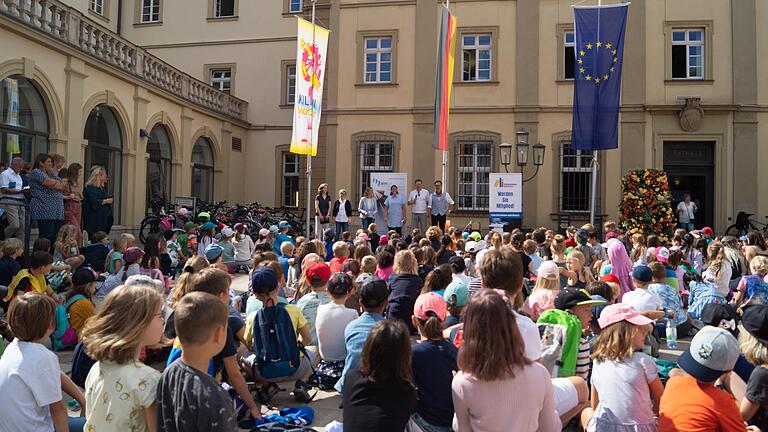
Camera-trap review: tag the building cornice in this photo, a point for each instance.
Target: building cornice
(277, 39)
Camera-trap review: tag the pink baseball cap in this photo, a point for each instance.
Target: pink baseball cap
(614, 313)
(662, 254)
(548, 270)
(383, 239)
(430, 302)
(364, 236)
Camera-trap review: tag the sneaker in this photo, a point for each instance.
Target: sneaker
(301, 392)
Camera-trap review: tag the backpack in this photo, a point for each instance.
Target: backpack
(553, 337)
(64, 336)
(275, 343)
(566, 364)
(756, 290)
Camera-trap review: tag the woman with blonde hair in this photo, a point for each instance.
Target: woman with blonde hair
(97, 204)
(73, 197)
(367, 207)
(404, 287)
(322, 210)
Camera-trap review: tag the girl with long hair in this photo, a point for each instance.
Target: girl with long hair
(445, 253)
(73, 197)
(718, 271)
(66, 247)
(577, 272)
(756, 246)
(493, 368)
(438, 279)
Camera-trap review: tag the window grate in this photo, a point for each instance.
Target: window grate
(474, 162)
(375, 154)
(575, 179)
(237, 144)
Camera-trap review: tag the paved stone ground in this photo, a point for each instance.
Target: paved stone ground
(326, 404)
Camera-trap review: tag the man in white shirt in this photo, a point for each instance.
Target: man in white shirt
(12, 199)
(419, 200)
(686, 213)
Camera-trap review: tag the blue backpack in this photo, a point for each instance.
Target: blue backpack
(275, 343)
(64, 336)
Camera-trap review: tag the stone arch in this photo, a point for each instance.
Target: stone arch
(108, 98)
(206, 132)
(163, 118)
(28, 69)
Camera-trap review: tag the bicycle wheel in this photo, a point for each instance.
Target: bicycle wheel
(150, 225)
(735, 231)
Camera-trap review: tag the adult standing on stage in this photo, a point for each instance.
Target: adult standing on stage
(686, 213)
(419, 200)
(12, 200)
(440, 203)
(394, 210)
(322, 210)
(47, 202)
(368, 207)
(97, 204)
(342, 211)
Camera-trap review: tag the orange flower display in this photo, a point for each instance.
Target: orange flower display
(646, 204)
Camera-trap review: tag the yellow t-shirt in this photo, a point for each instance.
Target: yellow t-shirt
(80, 311)
(297, 318)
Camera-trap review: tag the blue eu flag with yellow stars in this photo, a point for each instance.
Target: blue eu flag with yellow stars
(597, 87)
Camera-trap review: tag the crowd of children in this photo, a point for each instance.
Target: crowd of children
(445, 332)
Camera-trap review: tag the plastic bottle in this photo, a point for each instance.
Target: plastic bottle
(671, 335)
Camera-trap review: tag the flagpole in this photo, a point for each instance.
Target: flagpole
(595, 165)
(311, 139)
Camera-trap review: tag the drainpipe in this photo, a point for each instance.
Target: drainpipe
(119, 17)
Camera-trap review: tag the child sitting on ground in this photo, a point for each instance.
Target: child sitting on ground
(66, 247)
(213, 253)
(33, 278)
(332, 319)
(577, 271)
(601, 291)
(642, 299)
(30, 376)
(529, 247)
(59, 272)
(206, 237)
(78, 301)
(282, 235)
(545, 290)
(700, 294)
(456, 297)
(317, 275)
(625, 383)
(670, 301)
(188, 241)
(185, 386)
(754, 344)
(753, 289)
(130, 319)
(114, 261)
(286, 251)
(340, 254)
(12, 249)
(244, 247)
(132, 258)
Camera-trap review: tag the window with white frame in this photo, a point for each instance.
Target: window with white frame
(575, 179)
(378, 59)
(97, 6)
(223, 8)
(221, 79)
(376, 154)
(688, 54)
(569, 55)
(476, 57)
(290, 84)
(150, 11)
(474, 162)
(290, 168)
(295, 6)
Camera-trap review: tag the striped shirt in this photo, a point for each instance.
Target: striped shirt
(474, 286)
(582, 360)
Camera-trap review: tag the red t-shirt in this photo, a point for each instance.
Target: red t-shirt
(688, 405)
(336, 264)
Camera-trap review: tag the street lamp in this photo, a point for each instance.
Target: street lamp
(521, 152)
(505, 149)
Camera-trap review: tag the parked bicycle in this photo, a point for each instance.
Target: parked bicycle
(745, 224)
(158, 221)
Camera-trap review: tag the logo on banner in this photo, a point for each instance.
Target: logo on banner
(500, 183)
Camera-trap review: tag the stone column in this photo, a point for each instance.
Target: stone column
(221, 179)
(70, 142)
(527, 98)
(184, 172)
(137, 190)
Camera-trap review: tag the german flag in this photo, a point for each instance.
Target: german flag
(444, 78)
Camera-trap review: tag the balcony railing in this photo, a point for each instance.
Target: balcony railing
(72, 28)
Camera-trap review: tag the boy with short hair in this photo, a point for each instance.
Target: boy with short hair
(373, 300)
(529, 247)
(670, 300)
(185, 386)
(282, 236)
(642, 299)
(286, 253)
(30, 375)
(317, 275)
(340, 254)
(33, 278)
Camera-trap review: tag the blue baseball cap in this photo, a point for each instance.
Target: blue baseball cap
(283, 225)
(263, 280)
(208, 226)
(273, 228)
(213, 251)
(642, 273)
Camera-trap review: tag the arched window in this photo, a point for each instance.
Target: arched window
(159, 164)
(202, 170)
(105, 148)
(23, 119)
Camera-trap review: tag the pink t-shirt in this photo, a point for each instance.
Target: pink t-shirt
(539, 301)
(384, 273)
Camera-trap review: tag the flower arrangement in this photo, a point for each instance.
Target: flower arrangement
(646, 204)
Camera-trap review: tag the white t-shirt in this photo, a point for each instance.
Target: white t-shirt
(331, 321)
(244, 248)
(461, 277)
(642, 300)
(625, 397)
(342, 215)
(30, 380)
(530, 333)
(116, 395)
(422, 200)
(688, 212)
(10, 176)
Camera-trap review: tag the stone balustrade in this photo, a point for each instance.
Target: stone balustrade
(71, 27)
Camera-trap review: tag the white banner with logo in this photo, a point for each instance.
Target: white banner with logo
(505, 204)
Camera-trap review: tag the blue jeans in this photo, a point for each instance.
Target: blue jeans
(76, 424)
(367, 221)
(686, 226)
(340, 228)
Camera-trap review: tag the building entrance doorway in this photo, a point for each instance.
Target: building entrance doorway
(690, 167)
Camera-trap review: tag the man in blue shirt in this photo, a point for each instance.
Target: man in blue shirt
(373, 299)
(393, 210)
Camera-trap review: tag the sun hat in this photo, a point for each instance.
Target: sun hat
(713, 351)
(364, 236)
(339, 284)
(263, 280)
(755, 321)
(456, 294)
(83, 276)
(471, 246)
(457, 264)
(642, 273)
(383, 239)
(662, 254)
(319, 272)
(476, 236)
(263, 232)
(189, 225)
(227, 232)
(614, 313)
(374, 293)
(273, 228)
(548, 270)
(283, 225)
(429, 305)
(239, 227)
(571, 297)
(213, 251)
(208, 226)
(133, 254)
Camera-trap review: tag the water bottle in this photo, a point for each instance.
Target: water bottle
(671, 335)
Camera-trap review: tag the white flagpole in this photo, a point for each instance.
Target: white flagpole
(311, 143)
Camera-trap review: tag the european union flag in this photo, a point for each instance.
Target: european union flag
(597, 86)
